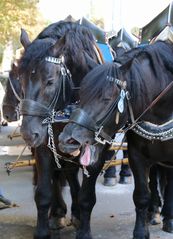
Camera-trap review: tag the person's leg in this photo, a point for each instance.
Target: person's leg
(125, 172)
(110, 173)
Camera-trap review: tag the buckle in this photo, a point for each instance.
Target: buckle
(99, 138)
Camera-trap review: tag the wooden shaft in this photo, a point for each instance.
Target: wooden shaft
(115, 162)
(22, 163)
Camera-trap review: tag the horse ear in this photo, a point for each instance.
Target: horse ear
(24, 39)
(14, 71)
(14, 67)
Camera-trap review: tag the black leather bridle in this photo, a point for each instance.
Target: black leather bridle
(81, 118)
(34, 108)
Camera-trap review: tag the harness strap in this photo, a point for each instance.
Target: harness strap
(14, 91)
(165, 165)
(98, 54)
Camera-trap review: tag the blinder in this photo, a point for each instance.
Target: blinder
(81, 118)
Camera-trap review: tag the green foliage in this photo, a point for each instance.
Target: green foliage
(17, 14)
(99, 22)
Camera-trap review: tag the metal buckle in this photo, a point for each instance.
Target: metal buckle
(128, 95)
(50, 119)
(99, 139)
(63, 71)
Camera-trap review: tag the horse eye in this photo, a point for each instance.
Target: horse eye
(49, 82)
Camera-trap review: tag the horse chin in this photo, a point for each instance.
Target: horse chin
(68, 148)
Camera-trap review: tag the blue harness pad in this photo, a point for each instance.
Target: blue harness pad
(106, 52)
(63, 116)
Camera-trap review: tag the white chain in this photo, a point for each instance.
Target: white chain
(51, 142)
(51, 145)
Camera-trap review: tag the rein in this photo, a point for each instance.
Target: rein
(154, 101)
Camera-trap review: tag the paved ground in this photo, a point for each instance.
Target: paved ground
(113, 216)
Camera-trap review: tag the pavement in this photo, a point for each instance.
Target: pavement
(113, 216)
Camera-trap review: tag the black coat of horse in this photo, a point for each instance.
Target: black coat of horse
(10, 110)
(10, 104)
(138, 96)
(50, 73)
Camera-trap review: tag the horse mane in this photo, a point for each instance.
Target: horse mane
(73, 38)
(56, 30)
(157, 54)
(34, 53)
(128, 55)
(40, 47)
(76, 44)
(94, 83)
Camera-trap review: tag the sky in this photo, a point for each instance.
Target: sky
(117, 13)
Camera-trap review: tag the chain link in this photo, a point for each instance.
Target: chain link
(51, 143)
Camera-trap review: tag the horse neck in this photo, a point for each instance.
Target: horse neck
(144, 89)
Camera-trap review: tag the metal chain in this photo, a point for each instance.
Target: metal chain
(51, 143)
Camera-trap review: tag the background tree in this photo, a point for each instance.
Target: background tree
(99, 22)
(17, 14)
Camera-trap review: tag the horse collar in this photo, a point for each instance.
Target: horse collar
(152, 131)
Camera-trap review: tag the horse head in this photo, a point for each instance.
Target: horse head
(12, 96)
(49, 71)
(102, 104)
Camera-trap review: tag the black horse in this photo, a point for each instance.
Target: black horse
(50, 73)
(10, 103)
(10, 110)
(136, 97)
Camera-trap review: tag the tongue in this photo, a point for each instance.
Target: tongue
(85, 158)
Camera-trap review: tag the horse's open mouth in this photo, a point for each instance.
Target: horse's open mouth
(71, 147)
(86, 152)
(86, 155)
